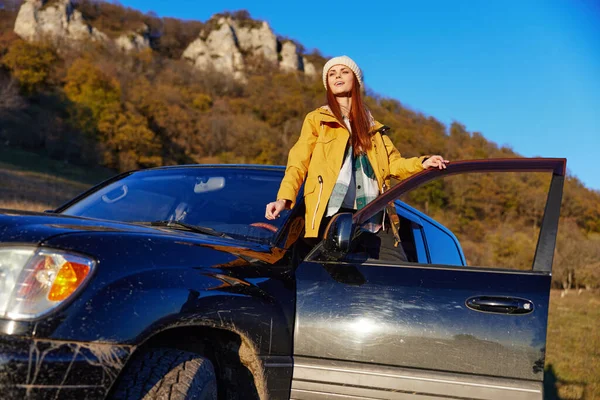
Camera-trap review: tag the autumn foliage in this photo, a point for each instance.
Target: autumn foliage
(31, 64)
(127, 111)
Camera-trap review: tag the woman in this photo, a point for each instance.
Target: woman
(344, 156)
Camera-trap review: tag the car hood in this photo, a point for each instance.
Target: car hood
(34, 227)
(94, 236)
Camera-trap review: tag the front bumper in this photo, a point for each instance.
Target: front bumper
(51, 369)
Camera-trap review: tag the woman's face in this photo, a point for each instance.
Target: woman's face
(340, 79)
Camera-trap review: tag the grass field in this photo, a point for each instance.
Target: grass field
(573, 346)
(31, 182)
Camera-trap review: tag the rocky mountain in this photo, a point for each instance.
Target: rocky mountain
(223, 47)
(62, 22)
(225, 44)
(220, 50)
(253, 37)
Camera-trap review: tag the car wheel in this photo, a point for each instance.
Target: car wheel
(167, 374)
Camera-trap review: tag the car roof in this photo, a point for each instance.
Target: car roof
(232, 166)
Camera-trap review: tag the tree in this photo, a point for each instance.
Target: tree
(10, 99)
(31, 64)
(131, 144)
(87, 85)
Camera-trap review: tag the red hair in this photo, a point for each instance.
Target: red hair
(359, 118)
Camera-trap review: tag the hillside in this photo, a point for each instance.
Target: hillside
(128, 97)
(35, 183)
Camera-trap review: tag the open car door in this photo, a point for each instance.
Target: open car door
(423, 329)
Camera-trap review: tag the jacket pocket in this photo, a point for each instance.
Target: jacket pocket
(325, 138)
(326, 135)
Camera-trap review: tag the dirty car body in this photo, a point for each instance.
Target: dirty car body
(182, 257)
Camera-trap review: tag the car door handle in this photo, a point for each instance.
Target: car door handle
(500, 305)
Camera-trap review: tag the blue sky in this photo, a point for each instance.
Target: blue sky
(525, 74)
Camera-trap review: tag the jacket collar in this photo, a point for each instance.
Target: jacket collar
(328, 116)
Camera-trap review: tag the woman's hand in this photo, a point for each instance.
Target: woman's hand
(435, 162)
(274, 208)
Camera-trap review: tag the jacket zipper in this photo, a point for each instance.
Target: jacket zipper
(383, 187)
(320, 178)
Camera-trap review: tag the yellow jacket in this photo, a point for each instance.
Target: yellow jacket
(320, 151)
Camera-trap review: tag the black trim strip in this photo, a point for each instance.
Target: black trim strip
(544, 252)
(412, 378)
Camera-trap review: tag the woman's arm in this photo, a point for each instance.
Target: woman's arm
(298, 161)
(401, 167)
(435, 162)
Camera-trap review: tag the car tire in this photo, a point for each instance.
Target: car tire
(168, 374)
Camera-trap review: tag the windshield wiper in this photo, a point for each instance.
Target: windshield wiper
(189, 227)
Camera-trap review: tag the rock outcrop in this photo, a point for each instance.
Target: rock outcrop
(56, 19)
(256, 40)
(224, 45)
(60, 21)
(309, 68)
(290, 60)
(134, 41)
(219, 51)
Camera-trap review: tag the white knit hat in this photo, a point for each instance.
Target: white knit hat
(342, 60)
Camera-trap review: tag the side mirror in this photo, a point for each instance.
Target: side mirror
(338, 235)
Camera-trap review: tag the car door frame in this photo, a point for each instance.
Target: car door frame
(544, 254)
(343, 374)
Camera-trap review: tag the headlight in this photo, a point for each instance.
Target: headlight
(35, 281)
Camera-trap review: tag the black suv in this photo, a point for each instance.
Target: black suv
(169, 283)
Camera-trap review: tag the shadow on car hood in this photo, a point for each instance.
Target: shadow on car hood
(84, 234)
(36, 227)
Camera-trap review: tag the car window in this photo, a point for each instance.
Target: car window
(415, 227)
(420, 249)
(443, 247)
(409, 241)
(483, 220)
(412, 241)
(411, 235)
(493, 217)
(227, 200)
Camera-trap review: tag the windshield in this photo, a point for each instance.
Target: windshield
(227, 200)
